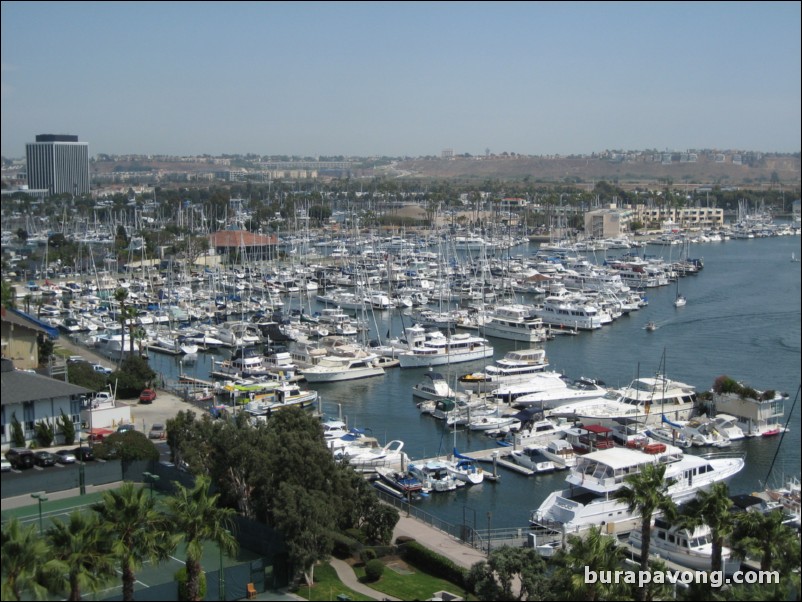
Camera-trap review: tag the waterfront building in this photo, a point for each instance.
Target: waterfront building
(58, 163)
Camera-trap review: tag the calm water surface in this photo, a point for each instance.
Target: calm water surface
(742, 319)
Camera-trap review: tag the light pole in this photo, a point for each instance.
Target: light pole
(40, 497)
(489, 519)
(152, 479)
(221, 583)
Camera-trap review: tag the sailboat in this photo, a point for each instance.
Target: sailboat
(680, 301)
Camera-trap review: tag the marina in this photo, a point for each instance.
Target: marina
(728, 327)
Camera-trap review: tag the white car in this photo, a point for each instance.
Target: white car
(5, 465)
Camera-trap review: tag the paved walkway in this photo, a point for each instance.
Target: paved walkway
(438, 541)
(346, 574)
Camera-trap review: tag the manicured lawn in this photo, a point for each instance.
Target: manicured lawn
(327, 587)
(409, 584)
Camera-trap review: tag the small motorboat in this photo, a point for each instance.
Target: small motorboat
(650, 326)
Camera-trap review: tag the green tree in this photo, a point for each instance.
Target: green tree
(66, 428)
(646, 493)
(133, 375)
(138, 530)
(80, 545)
(44, 433)
(597, 552)
(9, 298)
(765, 536)
(306, 520)
(17, 434)
(27, 562)
(711, 508)
(196, 515)
(128, 446)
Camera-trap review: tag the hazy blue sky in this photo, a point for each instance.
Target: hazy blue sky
(402, 78)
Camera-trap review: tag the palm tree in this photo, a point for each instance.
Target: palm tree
(138, 531)
(26, 562)
(80, 544)
(598, 554)
(646, 493)
(766, 536)
(711, 508)
(195, 514)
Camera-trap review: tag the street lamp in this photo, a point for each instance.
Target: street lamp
(152, 479)
(221, 583)
(40, 497)
(489, 518)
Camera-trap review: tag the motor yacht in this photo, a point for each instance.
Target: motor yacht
(514, 367)
(438, 350)
(333, 368)
(646, 401)
(533, 459)
(515, 322)
(589, 497)
(691, 548)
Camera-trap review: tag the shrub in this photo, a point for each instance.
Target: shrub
(368, 554)
(356, 534)
(344, 546)
(435, 564)
(181, 579)
(374, 569)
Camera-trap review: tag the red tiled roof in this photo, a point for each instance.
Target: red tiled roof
(240, 238)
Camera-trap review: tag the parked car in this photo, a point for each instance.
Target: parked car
(124, 428)
(147, 396)
(20, 458)
(84, 453)
(44, 458)
(157, 431)
(65, 456)
(101, 369)
(5, 465)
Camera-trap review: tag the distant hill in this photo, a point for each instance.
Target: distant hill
(765, 169)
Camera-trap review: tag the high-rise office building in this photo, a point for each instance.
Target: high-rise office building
(58, 163)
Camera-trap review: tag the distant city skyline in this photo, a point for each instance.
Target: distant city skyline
(402, 79)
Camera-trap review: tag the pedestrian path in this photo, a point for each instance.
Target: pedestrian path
(345, 573)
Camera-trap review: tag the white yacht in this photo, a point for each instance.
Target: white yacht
(438, 350)
(535, 433)
(435, 476)
(561, 453)
(515, 322)
(533, 459)
(366, 453)
(247, 362)
(689, 548)
(541, 381)
(433, 387)
(646, 400)
(571, 391)
(333, 368)
(564, 313)
(588, 500)
(282, 396)
(515, 366)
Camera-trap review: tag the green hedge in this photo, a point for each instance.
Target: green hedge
(435, 564)
(345, 547)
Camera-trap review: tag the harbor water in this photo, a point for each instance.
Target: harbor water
(742, 319)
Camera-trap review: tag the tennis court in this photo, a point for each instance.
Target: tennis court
(158, 578)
